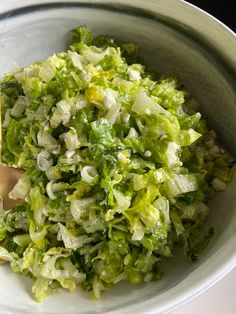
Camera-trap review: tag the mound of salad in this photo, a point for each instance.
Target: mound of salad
(118, 168)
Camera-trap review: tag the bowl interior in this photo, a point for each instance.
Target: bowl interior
(168, 46)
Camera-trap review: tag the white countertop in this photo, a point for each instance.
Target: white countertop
(219, 299)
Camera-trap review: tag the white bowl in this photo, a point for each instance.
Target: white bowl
(175, 37)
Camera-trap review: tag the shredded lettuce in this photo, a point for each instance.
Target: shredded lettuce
(117, 168)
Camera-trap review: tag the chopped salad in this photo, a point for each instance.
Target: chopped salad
(118, 168)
